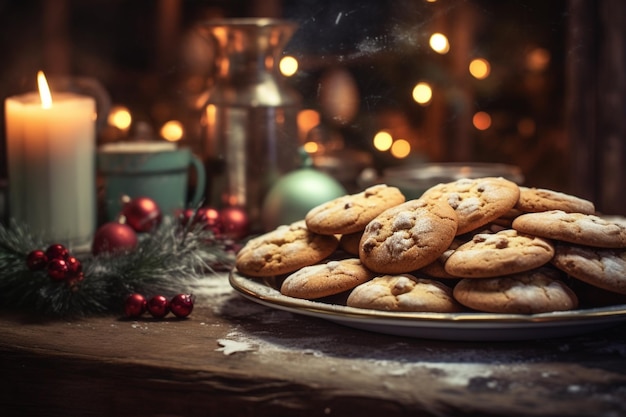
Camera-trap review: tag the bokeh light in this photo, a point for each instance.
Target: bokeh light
(307, 120)
(382, 141)
(311, 147)
(288, 66)
(422, 93)
(119, 116)
(439, 43)
(172, 131)
(400, 148)
(538, 59)
(481, 120)
(480, 68)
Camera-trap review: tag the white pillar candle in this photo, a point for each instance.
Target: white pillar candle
(51, 161)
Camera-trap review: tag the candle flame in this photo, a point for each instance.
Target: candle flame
(44, 91)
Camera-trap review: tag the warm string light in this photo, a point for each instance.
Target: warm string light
(422, 93)
(288, 66)
(480, 68)
(307, 119)
(439, 43)
(401, 148)
(120, 117)
(481, 120)
(383, 141)
(311, 147)
(172, 131)
(398, 148)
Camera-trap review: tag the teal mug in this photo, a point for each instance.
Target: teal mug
(158, 170)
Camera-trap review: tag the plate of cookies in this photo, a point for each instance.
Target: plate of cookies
(473, 259)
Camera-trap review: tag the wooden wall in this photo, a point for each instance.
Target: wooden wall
(596, 101)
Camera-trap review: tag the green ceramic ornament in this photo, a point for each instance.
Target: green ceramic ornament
(294, 194)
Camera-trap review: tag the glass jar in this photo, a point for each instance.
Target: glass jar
(249, 121)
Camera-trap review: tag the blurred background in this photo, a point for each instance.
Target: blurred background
(539, 85)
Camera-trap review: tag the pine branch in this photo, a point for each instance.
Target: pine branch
(167, 261)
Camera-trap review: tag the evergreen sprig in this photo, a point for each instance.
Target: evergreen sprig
(167, 261)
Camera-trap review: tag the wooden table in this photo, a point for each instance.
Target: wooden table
(233, 357)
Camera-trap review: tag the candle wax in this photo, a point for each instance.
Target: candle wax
(51, 159)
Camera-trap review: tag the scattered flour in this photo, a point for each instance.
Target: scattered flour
(230, 347)
(453, 374)
(459, 374)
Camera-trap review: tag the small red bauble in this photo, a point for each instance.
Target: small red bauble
(184, 216)
(57, 251)
(135, 305)
(211, 219)
(36, 260)
(182, 305)
(58, 269)
(158, 306)
(206, 217)
(142, 214)
(114, 237)
(74, 267)
(235, 223)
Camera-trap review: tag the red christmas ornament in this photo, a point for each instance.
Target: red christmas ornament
(58, 269)
(182, 305)
(114, 237)
(142, 214)
(36, 260)
(210, 219)
(74, 266)
(235, 223)
(57, 251)
(207, 217)
(158, 306)
(184, 216)
(135, 305)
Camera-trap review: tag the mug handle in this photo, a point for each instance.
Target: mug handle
(200, 180)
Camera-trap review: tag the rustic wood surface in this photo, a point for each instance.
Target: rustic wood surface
(233, 357)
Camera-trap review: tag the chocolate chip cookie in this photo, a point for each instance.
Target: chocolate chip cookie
(284, 250)
(476, 201)
(408, 236)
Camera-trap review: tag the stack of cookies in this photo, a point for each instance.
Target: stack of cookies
(484, 244)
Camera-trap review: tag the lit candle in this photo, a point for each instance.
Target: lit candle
(51, 161)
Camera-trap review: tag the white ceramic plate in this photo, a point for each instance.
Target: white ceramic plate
(443, 326)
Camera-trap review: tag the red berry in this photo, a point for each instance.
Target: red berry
(36, 260)
(114, 237)
(57, 251)
(182, 305)
(58, 269)
(135, 305)
(158, 306)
